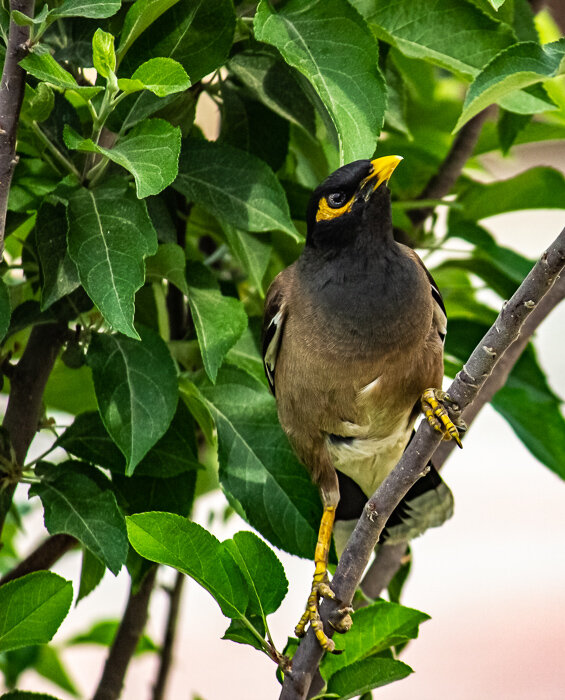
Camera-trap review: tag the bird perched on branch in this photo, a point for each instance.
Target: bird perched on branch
(353, 351)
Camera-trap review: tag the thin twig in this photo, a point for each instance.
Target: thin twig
(124, 645)
(11, 96)
(168, 642)
(464, 389)
(46, 554)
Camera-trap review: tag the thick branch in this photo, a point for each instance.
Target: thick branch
(27, 383)
(465, 387)
(168, 642)
(48, 552)
(11, 96)
(124, 645)
(461, 150)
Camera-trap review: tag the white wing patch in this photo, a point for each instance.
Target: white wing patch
(272, 350)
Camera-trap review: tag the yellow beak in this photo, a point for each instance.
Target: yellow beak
(382, 170)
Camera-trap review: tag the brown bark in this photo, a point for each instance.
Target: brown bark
(11, 96)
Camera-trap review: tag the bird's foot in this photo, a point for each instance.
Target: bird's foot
(443, 414)
(320, 589)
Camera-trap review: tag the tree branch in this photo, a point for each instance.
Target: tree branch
(46, 554)
(27, 383)
(464, 389)
(385, 564)
(11, 96)
(449, 171)
(168, 643)
(124, 645)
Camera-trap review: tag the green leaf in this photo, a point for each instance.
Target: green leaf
(95, 9)
(198, 407)
(274, 83)
(103, 53)
(526, 401)
(239, 632)
(59, 272)
(150, 151)
(50, 666)
(536, 188)
(519, 66)
(246, 355)
(330, 44)
(77, 500)
(26, 695)
(174, 454)
(253, 254)
(219, 320)
(104, 632)
(110, 234)
(530, 100)
(234, 186)
(196, 33)
(375, 628)
(174, 494)
(467, 40)
(24, 21)
(136, 389)
(363, 676)
(141, 15)
(91, 573)
(513, 265)
(5, 310)
(509, 126)
(174, 541)
(45, 67)
(247, 124)
(263, 571)
(534, 412)
(161, 76)
(38, 103)
(169, 263)
(257, 464)
(32, 608)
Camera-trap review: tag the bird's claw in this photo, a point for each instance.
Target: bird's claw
(443, 414)
(320, 589)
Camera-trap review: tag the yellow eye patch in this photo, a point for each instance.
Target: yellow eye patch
(326, 213)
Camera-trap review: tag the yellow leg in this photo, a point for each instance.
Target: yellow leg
(320, 584)
(433, 406)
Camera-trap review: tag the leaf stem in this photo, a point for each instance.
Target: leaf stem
(55, 152)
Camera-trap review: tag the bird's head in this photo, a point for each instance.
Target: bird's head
(353, 200)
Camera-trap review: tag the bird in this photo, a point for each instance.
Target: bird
(353, 335)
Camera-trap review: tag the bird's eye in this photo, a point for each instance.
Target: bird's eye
(336, 199)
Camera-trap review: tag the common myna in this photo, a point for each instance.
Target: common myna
(352, 344)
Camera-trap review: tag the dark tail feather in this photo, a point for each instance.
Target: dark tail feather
(429, 503)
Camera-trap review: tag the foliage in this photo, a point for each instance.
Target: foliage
(153, 242)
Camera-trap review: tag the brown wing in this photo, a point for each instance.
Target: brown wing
(440, 315)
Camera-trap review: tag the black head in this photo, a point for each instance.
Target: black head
(353, 199)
